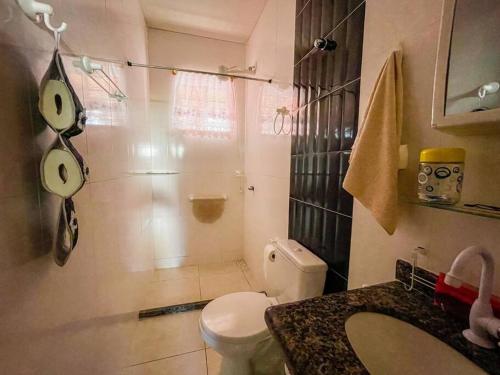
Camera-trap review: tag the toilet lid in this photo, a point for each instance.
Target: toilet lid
(236, 317)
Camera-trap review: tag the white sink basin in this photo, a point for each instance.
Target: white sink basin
(388, 346)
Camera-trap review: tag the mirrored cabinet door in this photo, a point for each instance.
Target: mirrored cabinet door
(467, 81)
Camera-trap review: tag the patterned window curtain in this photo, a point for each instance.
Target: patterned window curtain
(204, 106)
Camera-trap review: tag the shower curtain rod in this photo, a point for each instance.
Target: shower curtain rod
(130, 63)
(133, 64)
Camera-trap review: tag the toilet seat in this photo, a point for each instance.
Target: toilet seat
(236, 318)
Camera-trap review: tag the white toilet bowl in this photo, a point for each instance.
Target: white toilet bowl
(233, 325)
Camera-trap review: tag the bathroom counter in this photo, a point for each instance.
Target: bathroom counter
(314, 341)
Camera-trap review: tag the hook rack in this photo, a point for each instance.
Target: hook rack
(90, 68)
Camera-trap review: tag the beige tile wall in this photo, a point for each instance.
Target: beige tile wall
(267, 157)
(114, 258)
(206, 166)
(415, 26)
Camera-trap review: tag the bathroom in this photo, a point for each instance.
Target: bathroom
(182, 222)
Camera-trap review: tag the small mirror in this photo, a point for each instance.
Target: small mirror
(467, 81)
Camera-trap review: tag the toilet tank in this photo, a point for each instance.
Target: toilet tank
(292, 272)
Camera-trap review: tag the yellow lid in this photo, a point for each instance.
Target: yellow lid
(442, 155)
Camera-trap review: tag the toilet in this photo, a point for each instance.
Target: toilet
(233, 325)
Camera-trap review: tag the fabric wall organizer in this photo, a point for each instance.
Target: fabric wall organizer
(62, 169)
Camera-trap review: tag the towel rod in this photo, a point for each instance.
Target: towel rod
(161, 67)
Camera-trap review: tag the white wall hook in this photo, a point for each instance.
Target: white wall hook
(488, 89)
(59, 30)
(33, 9)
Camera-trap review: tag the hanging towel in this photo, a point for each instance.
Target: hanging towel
(372, 177)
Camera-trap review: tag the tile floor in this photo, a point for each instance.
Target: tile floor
(171, 344)
(120, 344)
(171, 286)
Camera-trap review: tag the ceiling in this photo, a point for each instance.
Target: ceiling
(231, 20)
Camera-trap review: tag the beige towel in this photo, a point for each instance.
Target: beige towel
(372, 177)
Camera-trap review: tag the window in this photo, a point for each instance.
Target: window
(203, 105)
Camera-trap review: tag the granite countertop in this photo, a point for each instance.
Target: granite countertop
(313, 338)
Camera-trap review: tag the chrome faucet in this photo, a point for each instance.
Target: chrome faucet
(483, 324)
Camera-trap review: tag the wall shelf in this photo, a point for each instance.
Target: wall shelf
(155, 172)
(460, 208)
(221, 197)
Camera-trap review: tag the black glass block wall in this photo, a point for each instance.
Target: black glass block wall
(326, 93)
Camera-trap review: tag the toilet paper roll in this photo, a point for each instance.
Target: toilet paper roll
(63, 170)
(58, 102)
(56, 105)
(67, 236)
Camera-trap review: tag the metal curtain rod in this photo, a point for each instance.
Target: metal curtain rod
(130, 63)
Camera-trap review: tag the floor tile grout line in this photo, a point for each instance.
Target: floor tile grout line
(199, 281)
(206, 360)
(162, 358)
(240, 266)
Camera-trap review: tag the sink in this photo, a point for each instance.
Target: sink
(387, 346)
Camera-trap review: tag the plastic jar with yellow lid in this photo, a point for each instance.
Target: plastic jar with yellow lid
(441, 175)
